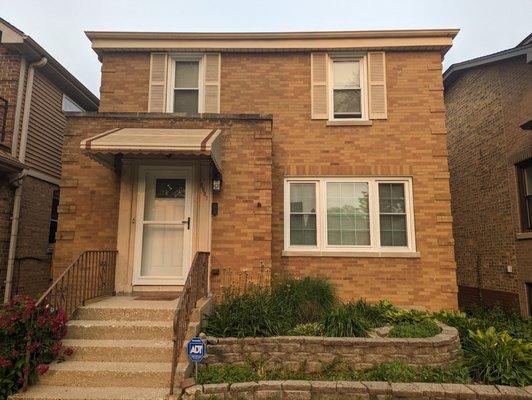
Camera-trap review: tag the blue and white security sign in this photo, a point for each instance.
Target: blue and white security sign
(196, 349)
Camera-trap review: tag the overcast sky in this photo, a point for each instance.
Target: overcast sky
(486, 26)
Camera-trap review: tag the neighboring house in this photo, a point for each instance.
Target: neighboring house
(317, 154)
(489, 117)
(34, 91)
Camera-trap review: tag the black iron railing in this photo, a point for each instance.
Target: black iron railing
(90, 276)
(196, 287)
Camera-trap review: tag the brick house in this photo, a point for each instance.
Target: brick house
(34, 91)
(301, 153)
(489, 110)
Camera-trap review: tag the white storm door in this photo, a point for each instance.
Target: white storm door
(164, 225)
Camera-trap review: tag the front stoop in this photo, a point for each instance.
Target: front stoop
(122, 351)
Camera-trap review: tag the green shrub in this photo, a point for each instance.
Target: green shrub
(310, 329)
(497, 358)
(345, 320)
(271, 312)
(422, 329)
(408, 316)
(21, 320)
(226, 374)
(503, 321)
(303, 300)
(392, 372)
(246, 314)
(452, 373)
(336, 370)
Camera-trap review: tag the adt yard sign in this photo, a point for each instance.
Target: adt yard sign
(196, 349)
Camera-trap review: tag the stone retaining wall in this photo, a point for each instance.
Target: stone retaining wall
(317, 390)
(296, 352)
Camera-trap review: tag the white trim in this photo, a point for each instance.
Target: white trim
(172, 58)
(322, 247)
(189, 173)
(364, 98)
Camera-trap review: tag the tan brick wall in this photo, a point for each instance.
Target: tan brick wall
(9, 78)
(410, 142)
(485, 108)
(90, 192)
(402, 145)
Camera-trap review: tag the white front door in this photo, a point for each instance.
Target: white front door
(164, 225)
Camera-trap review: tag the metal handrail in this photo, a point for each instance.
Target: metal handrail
(90, 276)
(196, 287)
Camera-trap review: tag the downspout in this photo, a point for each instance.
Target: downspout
(17, 180)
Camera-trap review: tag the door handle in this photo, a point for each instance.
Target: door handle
(187, 221)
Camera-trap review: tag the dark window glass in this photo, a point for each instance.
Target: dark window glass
(53, 217)
(303, 214)
(392, 214)
(524, 172)
(170, 188)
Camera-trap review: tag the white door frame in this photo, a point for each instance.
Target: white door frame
(189, 173)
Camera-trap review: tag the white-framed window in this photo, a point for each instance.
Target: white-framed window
(185, 94)
(70, 105)
(348, 98)
(349, 214)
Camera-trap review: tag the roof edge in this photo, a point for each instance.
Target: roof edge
(72, 87)
(453, 72)
(273, 35)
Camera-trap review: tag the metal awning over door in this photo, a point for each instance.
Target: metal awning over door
(154, 141)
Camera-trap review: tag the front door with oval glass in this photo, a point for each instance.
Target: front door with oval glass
(164, 226)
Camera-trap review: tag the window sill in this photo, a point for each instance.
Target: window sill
(340, 253)
(523, 235)
(350, 123)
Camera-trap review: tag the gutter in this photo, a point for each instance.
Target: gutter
(18, 179)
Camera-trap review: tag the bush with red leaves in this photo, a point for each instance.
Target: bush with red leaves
(26, 327)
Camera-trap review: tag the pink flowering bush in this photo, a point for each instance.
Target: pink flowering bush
(39, 330)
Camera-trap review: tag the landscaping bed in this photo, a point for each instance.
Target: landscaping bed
(298, 330)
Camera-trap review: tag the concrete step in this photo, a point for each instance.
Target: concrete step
(142, 313)
(107, 374)
(134, 330)
(91, 393)
(120, 350)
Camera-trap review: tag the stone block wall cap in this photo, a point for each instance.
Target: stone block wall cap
(216, 388)
(323, 386)
(354, 387)
(376, 387)
(295, 385)
(244, 387)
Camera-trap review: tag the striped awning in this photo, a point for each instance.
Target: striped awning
(154, 141)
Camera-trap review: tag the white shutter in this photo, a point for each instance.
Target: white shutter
(319, 95)
(157, 94)
(377, 85)
(211, 83)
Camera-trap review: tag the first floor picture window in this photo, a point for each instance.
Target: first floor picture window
(354, 214)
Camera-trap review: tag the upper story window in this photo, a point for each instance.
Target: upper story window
(185, 93)
(349, 214)
(70, 105)
(348, 94)
(524, 173)
(186, 89)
